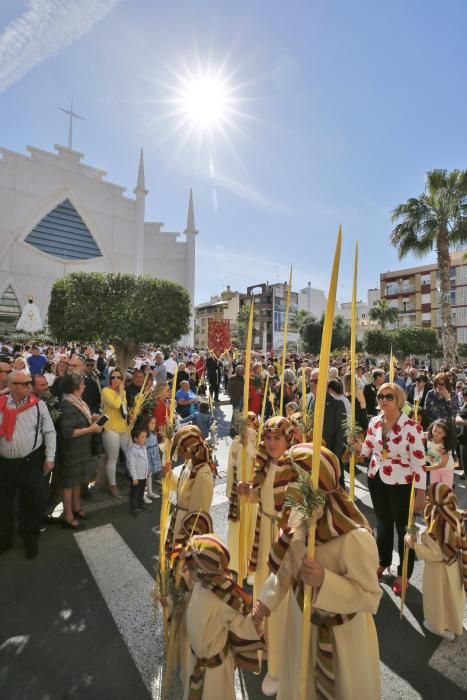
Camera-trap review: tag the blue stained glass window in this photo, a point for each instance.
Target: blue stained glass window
(63, 234)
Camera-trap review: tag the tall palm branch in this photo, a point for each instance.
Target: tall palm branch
(437, 219)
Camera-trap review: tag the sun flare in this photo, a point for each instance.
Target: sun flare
(204, 100)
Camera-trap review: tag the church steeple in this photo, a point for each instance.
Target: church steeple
(140, 192)
(190, 221)
(141, 183)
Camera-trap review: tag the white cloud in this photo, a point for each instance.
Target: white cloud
(44, 28)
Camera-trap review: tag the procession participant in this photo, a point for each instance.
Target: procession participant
(343, 656)
(116, 433)
(268, 490)
(195, 485)
(220, 628)
(199, 523)
(440, 442)
(370, 392)
(396, 452)
(234, 471)
(443, 547)
(255, 394)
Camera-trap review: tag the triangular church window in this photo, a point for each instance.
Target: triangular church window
(63, 234)
(10, 310)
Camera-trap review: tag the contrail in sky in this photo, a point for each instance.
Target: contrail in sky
(44, 29)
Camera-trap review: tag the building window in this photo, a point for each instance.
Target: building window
(63, 234)
(10, 310)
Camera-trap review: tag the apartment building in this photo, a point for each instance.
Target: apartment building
(363, 312)
(415, 293)
(222, 307)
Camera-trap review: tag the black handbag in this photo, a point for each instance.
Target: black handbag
(97, 445)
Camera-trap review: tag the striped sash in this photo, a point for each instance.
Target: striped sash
(324, 670)
(199, 671)
(234, 515)
(282, 477)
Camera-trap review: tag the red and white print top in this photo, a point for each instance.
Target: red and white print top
(401, 458)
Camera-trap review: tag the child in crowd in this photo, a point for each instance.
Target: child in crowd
(203, 419)
(220, 628)
(439, 459)
(137, 465)
(443, 547)
(148, 424)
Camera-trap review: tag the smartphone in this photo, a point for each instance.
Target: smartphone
(103, 419)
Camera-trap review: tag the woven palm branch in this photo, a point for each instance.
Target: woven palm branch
(352, 431)
(302, 497)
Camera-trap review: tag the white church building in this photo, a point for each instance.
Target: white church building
(59, 215)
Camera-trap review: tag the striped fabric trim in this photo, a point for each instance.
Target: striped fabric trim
(234, 514)
(446, 525)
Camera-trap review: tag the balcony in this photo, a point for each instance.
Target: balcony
(399, 290)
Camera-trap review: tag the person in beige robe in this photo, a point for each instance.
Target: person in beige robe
(234, 474)
(219, 626)
(268, 490)
(195, 485)
(346, 592)
(199, 523)
(443, 548)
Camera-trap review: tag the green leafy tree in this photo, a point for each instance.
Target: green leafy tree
(378, 342)
(121, 309)
(437, 219)
(313, 330)
(383, 313)
(417, 341)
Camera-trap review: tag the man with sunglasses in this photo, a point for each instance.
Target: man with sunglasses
(371, 390)
(27, 452)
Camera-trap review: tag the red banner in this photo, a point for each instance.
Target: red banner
(218, 336)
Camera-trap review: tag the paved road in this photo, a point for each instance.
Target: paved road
(78, 622)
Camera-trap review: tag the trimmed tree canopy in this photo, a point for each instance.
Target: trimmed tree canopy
(121, 309)
(403, 340)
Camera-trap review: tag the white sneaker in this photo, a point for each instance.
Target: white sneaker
(270, 685)
(450, 636)
(146, 499)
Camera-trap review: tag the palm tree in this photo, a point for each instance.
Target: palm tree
(383, 313)
(437, 219)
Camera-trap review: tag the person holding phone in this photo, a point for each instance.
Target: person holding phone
(116, 433)
(75, 430)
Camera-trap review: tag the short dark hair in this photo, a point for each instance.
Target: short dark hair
(204, 407)
(136, 432)
(71, 382)
(450, 440)
(336, 385)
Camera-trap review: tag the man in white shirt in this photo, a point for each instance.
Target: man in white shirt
(171, 365)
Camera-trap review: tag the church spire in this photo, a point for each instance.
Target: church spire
(190, 221)
(141, 183)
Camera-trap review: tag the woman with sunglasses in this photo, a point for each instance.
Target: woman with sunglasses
(396, 453)
(116, 433)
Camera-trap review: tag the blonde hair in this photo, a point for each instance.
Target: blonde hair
(398, 392)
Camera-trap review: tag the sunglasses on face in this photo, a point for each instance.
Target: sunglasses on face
(440, 384)
(385, 397)
(313, 381)
(29, 383)
(6, 371)
(115, 377)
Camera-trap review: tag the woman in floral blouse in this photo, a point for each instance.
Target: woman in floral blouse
(395, 449)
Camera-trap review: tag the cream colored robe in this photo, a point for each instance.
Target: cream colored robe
(192, 494)
(443, 590)
(233, 533)
(350, 586)
(274, 627)
(208, 620)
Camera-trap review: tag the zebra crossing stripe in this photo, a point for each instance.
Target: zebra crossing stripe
(126, 588)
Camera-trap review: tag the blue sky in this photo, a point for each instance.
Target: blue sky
(341, 107)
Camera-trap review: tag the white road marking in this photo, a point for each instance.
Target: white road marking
(126, 588)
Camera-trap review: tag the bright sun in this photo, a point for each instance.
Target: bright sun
(204, 101)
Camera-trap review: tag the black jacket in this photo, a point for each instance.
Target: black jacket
(333, 426)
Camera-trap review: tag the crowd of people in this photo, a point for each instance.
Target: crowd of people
(65, 410)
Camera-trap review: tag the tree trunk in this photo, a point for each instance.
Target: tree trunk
(125, 352)
(448, 337)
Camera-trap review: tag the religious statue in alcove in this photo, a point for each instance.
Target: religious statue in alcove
(30, 319)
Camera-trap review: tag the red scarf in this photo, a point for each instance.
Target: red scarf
(7, 428)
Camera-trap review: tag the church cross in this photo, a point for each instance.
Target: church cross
(72, 116)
